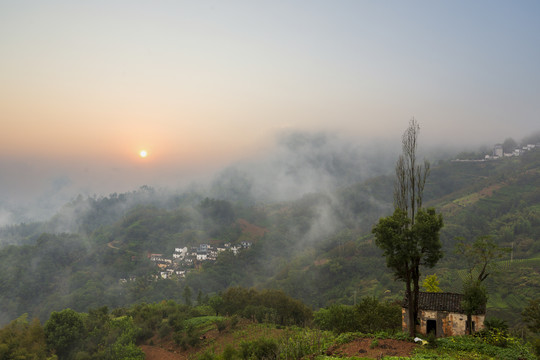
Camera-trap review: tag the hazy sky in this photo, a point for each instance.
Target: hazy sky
(85, 85)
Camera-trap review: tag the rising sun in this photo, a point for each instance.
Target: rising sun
(143, 153)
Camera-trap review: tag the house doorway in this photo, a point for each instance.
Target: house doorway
(431, 326)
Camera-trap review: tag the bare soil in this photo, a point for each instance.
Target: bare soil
(364, 348)
(360, 348)
(211, 340)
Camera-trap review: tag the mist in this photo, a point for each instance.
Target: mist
(296, 163)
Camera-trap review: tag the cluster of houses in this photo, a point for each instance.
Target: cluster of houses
(498, 153)
(184, 259)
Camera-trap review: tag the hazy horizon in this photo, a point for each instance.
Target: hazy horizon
(85, 86)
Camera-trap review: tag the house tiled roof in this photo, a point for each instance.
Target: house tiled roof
(450, 302)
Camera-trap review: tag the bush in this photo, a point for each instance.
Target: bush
(369, 316)
(229, 353)
(234, 321)
(303, 342)
(432, 342)
(164, 330)
(496, 324)
(221, 324)
(515, 350)
(337, 318)
(261, 349)
(374, 315)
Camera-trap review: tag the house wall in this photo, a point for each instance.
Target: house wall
(447, 323)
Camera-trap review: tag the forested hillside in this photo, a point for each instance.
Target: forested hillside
(317, 248)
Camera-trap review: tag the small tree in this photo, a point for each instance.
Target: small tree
(474, 300)
(187, 295)
(63, 330)
(431, 283)
(531, 315)
(481, 255)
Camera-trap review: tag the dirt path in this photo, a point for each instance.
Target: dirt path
(158, 353)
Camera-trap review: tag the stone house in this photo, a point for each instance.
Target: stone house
(442, 313)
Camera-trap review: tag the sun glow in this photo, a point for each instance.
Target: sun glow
(143, 153)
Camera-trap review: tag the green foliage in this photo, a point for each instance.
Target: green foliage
(81, 271)
(266, 306)
(260, 349)
(337, 318)
(23, 340)
(221, 325)
(495, 324)
(368, 316)
(298, 343)
(531, 315)
(406, 246)
(126, 352)
(432, 341)
(63, 331)
(431, 283)
(190, 337)
(375, 316)
(229, 353)
(186, 294)
(481, 255)
(474, 299)
(515, 349)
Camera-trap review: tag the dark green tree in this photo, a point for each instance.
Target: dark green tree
(216, 303)
(410, 237)
(63, 331)
(187, 295)
(531, 315)
(474, 300)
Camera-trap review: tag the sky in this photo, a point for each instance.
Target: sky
(86, 85)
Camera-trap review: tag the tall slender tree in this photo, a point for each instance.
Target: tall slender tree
(410, 237)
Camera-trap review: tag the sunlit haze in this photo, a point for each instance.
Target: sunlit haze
(85, 86)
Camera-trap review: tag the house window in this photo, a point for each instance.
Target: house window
(431, 326)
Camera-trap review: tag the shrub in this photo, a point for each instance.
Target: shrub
(221, 324)
(496, 324)
(369, 316)
(234, 321)
(261, 349)
(432, 341)
(298, 344)
(337, 318)
(164, 330)
(229, 353)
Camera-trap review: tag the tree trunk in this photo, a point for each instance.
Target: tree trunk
(412, 319)
(468, 329)
(416, 292)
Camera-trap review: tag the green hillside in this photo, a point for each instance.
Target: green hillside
(318, 248)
